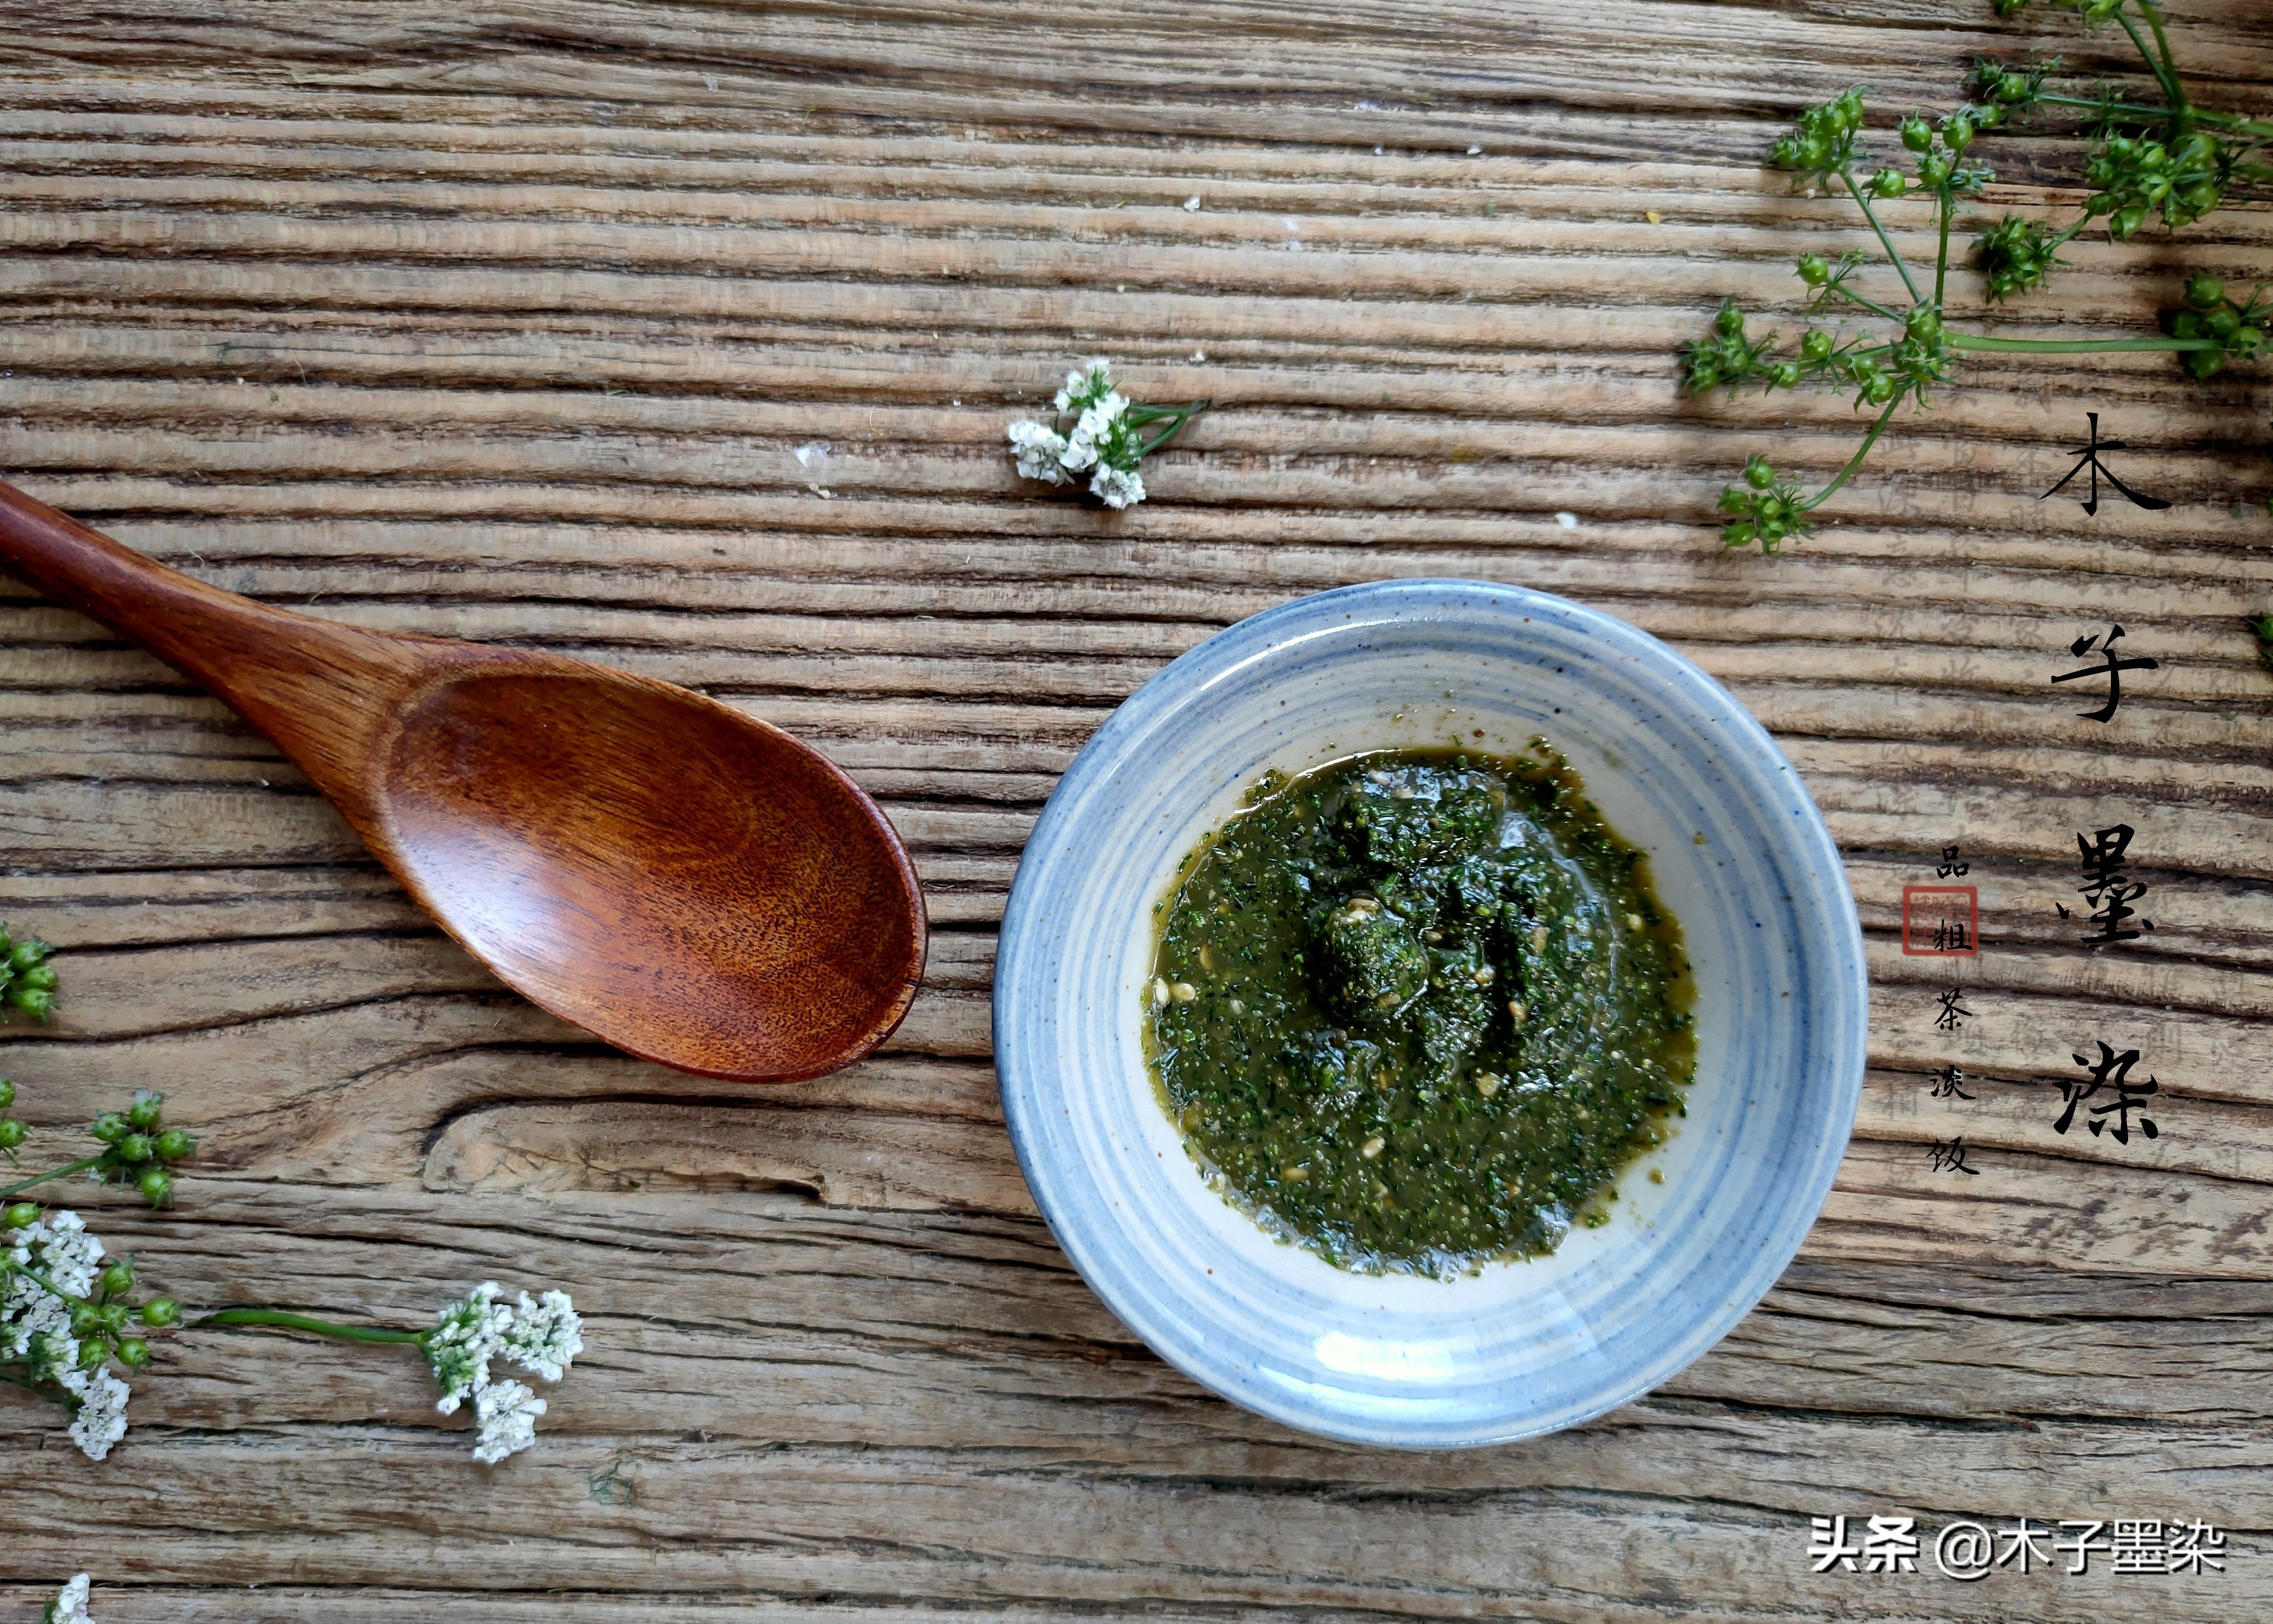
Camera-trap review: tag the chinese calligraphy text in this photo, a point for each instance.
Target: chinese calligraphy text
(2111, 1071)
(2113, 669)
(2088, 456)
(1950, 1157)
(2106, 888)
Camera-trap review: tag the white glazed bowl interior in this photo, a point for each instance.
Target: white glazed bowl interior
(1740, 856)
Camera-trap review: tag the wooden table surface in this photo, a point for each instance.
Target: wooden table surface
(503, 320)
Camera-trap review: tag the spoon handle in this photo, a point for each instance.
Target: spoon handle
(321, 690)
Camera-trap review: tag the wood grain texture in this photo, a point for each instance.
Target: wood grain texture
(503, 321)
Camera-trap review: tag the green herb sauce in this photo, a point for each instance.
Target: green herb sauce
(1416, 1010)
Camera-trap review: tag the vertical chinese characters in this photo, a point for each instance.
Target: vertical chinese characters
(2107, 888)
(1949, 1083)
(1949, 1157)
(2088, 456)
(2112, 668)
(2111, 1071)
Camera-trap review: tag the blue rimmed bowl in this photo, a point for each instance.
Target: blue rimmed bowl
(1741, 858)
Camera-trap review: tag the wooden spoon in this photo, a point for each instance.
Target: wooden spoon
(682, 880)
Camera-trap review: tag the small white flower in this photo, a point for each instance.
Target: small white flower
(60, 1248)
(64, 1255)
(1118, 487)
(1039, 450)
(507, 1412)
(101, 1419)
(1098, 420)
(31, 1311)
(545, 1336)
(1092, 438)
(1085, 384)
(52, 1356)
(466, 1333)
(1106, 441)
(70, 1604)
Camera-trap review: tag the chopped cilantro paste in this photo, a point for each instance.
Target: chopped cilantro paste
(1415, 1010)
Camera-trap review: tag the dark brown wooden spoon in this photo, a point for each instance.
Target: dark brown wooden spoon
(682, 880)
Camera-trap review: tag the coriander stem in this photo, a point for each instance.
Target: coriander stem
(1184, 416)
(1884, 242)
(2232, 123)
(2176, 111)
(41, 1280)
(304, 1322)
(2074, 346)
(1869, 305)
(1855, 461)
(2181, 109)
(1948, 202)
(69, 1167)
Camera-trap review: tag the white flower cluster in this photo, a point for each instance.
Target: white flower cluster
(1103, 442)
(70, 1604)
(56, 1256)
(541, 1336)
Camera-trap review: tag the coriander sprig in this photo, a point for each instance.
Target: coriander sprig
(1100, 432)
(67, 1310)
(543, 1335)
(2175, 162)
(138, 1148)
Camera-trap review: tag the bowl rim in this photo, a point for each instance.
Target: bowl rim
(1244, 642)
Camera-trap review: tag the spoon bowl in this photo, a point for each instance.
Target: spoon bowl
(689, 884)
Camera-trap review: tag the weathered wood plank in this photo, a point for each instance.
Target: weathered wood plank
(504, 321)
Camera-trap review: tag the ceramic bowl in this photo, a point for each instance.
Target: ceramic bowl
(1741, 858)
